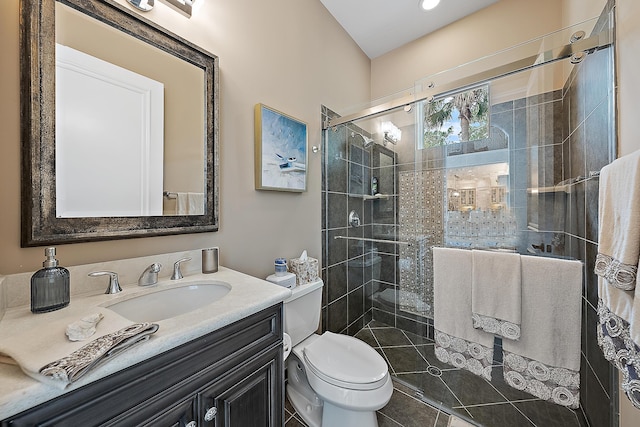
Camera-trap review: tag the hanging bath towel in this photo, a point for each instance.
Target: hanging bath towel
(545, 362)
(617, 266)
(457, 342)
(619, 222)
(496, 293)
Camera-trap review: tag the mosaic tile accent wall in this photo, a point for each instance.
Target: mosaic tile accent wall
(421, 223)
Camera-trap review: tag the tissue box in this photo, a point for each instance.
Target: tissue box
(306, 271)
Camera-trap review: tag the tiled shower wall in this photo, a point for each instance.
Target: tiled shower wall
(589, 144)
(346, 265)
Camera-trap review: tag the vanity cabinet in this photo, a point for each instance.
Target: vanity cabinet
(231, 377)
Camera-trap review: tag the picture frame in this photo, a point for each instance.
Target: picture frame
(281, 154)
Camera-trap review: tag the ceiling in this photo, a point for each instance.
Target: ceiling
(379, 26)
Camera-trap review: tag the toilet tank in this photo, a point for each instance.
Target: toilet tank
(302, 311)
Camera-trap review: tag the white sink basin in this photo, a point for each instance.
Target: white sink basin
(167, 303)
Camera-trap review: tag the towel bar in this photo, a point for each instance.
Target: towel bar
(364, 239)
(170, 195)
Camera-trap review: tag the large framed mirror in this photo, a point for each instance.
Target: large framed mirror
(120, 132)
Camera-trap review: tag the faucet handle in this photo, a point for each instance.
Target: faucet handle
(177, 273)
(114, 285)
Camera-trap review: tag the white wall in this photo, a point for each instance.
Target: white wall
(291, 55)
(499, 26)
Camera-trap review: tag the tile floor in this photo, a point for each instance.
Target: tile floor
(469, 398)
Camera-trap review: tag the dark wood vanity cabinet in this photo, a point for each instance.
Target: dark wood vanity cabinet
(231, 377)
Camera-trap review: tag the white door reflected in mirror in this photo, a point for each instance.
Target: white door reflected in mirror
(109, 133)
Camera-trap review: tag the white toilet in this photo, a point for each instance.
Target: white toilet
(333, 379)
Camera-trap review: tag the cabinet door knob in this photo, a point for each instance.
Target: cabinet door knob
(211, 413)
(191, 424)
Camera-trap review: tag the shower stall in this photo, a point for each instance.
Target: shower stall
(503, 154)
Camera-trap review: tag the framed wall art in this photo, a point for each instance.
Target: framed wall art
(281, 155)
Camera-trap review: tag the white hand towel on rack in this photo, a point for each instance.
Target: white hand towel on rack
(619, 222)
(189, 203)
(196, 203)
(496, 293)
(182, 203)
(545, 361)
(457, 342)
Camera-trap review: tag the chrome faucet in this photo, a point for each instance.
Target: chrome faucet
(177, 273)
(114, 285)
(150, 275)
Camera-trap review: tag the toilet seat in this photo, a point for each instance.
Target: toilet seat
(346, 362)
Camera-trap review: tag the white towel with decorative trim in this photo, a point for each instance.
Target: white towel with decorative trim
(619, 222)
(545, 361)
(26, 342)
(617, 267)
(496, 293)
(457, 342)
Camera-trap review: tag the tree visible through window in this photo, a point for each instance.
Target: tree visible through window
(457, 118)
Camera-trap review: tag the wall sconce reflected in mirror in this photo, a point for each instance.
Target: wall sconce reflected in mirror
(143, 5)
(183, 6)
(391, 133)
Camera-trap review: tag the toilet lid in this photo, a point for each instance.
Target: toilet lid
(346, 362)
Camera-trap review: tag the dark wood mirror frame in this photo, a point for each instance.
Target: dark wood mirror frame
(40, 226)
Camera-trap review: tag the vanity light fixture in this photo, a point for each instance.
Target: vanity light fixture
(428, 4)
(142, 5)
(183, 6)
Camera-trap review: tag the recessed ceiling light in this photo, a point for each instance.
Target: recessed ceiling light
(428, 4)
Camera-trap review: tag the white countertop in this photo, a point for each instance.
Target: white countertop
(248, 295)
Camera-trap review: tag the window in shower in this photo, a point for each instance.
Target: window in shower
(457, 120)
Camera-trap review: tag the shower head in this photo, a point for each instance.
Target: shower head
(366, 141)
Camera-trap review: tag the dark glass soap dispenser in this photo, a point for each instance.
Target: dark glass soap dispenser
(50, 285)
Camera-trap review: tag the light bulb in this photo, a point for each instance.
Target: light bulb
(428, 4)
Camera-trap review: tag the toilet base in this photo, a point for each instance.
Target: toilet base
(311, 413)
(333, 415)
(327, 414)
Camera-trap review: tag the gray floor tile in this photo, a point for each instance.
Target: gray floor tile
(405, 359)
(544, 414)
(499, 415)
(367, 336)
(471, 389)
(409, 411)
(390, 337)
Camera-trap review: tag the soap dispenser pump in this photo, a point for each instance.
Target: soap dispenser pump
(50, 285)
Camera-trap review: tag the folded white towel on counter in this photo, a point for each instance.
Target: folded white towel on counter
(72, 367)
(496, 293)
(34, 341)
(457, 342)
(545, 361)
(619, 222)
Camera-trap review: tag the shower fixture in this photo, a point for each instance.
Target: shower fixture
(366, 141)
